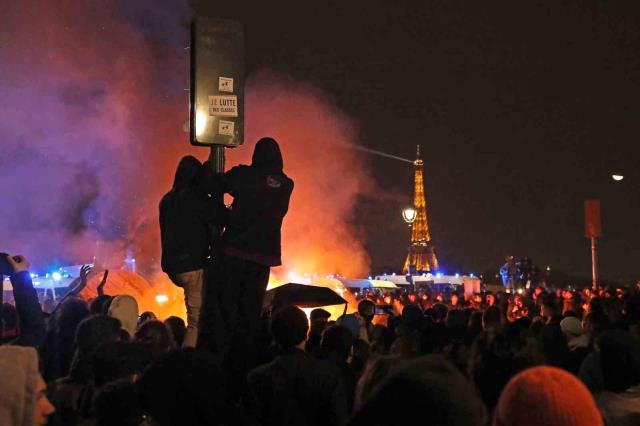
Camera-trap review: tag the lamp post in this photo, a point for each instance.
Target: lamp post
(409, 215)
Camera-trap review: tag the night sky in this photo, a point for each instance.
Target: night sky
(522, 112)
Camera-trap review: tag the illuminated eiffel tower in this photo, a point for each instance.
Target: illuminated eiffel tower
(422, 253)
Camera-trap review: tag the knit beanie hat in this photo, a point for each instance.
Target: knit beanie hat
(546, 396)
(125, 308)
(18, 378)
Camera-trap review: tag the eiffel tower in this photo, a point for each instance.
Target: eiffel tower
(422, 253)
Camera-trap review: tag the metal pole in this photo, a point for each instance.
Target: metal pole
(594, 263)
(216, 161)
(216, 158)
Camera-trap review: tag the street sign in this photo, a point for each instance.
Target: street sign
(216, 113)
(592, 227)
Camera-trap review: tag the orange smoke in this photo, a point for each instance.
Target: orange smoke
(94, 109)
(316, 235)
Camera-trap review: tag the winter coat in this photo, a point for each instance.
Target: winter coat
(186, 217)
(261, 194)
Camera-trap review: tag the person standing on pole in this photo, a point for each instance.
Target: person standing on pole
(186, 218)
(235, 289)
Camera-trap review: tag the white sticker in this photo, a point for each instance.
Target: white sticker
(223, 106)
(226, 127)
(225, 84)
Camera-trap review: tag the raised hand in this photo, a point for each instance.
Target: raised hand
(18, 263)
(84, 271)
(102, 283)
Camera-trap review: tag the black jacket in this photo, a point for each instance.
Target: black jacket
(186, 217)
(261, 194)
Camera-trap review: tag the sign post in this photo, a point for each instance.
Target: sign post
(216, 113)
(593, 230)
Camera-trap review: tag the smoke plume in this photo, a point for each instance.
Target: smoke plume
(92, 105)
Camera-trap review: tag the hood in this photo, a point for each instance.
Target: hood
(188, 169)
(267, 156)
(125, 308)
(18, 375)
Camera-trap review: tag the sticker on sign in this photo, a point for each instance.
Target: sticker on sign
(226, 127)
(225, 84)
(223, 106)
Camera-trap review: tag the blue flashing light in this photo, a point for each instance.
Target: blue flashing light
(32, 275)
(457, 275)
(56, 276)
(438, 275)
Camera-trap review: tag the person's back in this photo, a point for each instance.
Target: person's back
(296, 389)
(184, 215)
(261, 194)
(187, 220)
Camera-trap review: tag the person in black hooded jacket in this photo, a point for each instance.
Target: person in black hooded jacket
(186, 217)
(250, 246)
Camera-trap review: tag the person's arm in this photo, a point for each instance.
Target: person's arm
(100, 287)
(30, 316)
(215, 184)
(78, 284)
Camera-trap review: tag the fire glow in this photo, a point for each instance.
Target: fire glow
(111, 104)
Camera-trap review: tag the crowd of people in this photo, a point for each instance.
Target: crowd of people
(538, 357)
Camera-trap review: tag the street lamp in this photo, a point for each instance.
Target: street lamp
(409, 215)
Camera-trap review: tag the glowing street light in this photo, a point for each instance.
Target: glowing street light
(617, 177)
(409, 215)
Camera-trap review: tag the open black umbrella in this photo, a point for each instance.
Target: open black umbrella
(301, 295)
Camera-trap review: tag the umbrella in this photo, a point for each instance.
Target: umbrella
(302, 295)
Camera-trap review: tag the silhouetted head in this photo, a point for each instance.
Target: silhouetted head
(119, 360)
(289, 326)
(187, 171)
(430, 383)
(366, 308)
(178, 329)
(71, 311)
(155, 335)
(267, 156)
(100, 305)
(338, 340)
(491, 318)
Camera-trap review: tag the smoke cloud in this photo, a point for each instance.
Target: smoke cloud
(92, 104)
